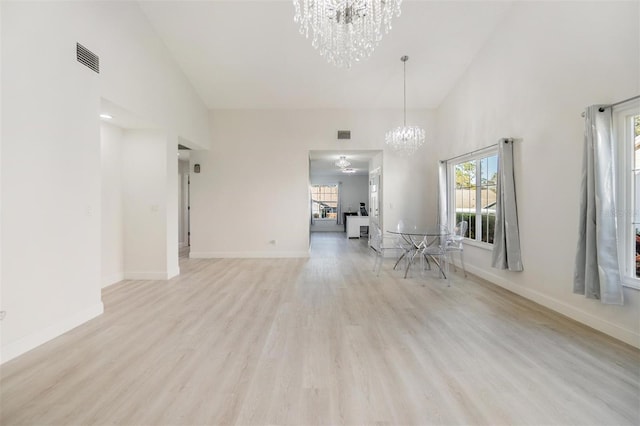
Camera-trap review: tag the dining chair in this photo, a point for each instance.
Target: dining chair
(454, 243)
(436, 250)
(407, 245)
(381, 245)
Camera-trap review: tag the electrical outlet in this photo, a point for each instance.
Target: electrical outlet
(273, 242)
(2, 315)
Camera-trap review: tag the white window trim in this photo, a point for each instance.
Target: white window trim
(479, 244)
(623, 131)
(451, 199)
(323, 219)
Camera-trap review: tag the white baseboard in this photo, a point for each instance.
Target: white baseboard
(150, 275)
(248, 254)
(25, 344)
(112, 279)
(613, 330)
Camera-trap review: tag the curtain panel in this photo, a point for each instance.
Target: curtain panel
(506, 241)
(596, 274)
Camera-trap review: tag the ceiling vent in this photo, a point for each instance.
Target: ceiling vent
(344, 134)
(87, 58)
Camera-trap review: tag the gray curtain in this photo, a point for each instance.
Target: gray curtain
(443, 202)
(597, 275)
(506, 238)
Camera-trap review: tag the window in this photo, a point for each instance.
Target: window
(627, 137)
(472, 194)
(324, 201)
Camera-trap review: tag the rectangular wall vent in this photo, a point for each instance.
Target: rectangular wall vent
(87, 58)
(344, 134)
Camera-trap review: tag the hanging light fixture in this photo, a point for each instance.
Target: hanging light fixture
(405, 139)
(348, 170)
(345, 31)
(342, 162)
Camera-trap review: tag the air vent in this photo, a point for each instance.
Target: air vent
(87, 58)
(344, 134)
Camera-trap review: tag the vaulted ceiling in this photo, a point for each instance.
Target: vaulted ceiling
(249, 54)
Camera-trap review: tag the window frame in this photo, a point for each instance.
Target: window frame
(328, 219)
(476, 156)
(624, 138)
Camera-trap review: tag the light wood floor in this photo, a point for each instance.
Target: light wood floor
(321, 341)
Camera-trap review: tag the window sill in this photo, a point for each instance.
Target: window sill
(479, 244)
(631, 283)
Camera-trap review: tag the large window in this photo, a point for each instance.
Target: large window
(473, 194)
(324, 201)
(627, 137)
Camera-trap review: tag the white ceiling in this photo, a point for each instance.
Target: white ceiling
(249, 54)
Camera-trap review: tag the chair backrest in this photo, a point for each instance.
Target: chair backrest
(459, 232)
(375, 237)
(461, 229)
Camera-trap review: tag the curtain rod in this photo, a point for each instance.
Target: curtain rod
(603, 107)
(468, 154)
(633, 98)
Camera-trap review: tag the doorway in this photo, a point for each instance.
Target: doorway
(184, 194)
(339, 185)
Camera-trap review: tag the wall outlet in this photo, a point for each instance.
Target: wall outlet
(273, 242)
(2, 315)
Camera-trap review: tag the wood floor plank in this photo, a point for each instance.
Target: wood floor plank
(321, 341)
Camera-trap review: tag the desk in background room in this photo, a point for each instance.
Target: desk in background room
(354, 223)
(344, 218)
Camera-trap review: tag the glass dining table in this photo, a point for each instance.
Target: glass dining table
(424, 243)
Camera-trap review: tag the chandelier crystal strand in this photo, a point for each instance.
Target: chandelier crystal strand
(345, 31)
(405, 140)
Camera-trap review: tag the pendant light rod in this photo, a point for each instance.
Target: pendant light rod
(405, 140)
(404, 60)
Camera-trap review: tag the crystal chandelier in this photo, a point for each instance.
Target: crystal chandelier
(405, 139)
(345, 31)
(342, 162)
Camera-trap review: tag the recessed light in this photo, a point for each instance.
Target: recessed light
(106, 116)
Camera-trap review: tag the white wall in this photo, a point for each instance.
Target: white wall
(51, 182)
(138, 72)
(150, 215)
(253, 187)
(112, 204)
(1, 118)
(51, 192)
(531, 81)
